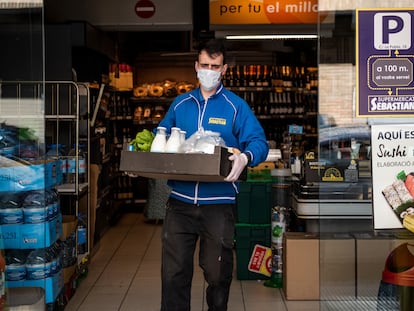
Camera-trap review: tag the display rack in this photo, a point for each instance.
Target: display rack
(67, 122)
(56, 113)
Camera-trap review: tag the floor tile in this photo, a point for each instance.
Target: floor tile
(125, 275)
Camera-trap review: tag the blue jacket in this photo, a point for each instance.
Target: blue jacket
(225, 113)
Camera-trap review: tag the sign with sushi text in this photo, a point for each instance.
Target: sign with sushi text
(242, 12)
(392, 153)
(384, 63)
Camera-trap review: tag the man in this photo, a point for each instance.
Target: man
(205, 210)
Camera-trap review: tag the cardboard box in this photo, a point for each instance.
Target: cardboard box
(179, 166)
(69, 223)
(301, 266)
(123, 83)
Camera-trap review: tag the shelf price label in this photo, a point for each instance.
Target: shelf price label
(385, 57)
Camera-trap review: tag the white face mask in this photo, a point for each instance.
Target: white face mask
(209, 79)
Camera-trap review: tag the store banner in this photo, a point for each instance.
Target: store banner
(392, 155)
(242, 12)
(384, 67)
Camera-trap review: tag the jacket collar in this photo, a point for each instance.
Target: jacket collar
(218, 91)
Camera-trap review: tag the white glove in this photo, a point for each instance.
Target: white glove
(239, 163)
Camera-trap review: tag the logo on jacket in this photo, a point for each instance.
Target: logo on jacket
(217, 121)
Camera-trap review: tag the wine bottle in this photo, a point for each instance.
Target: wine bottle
(245, 76)
(237, 76)
(265, 76)
(259, 82)
(231, 76)
(252, 76)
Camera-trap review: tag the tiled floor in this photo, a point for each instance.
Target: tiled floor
(124, 275)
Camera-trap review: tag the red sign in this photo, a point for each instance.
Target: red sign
(261, 260)
(145, 8)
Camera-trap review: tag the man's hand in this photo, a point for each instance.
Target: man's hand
(239, 163)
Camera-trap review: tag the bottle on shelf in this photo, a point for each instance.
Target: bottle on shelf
(147, 112)
(125, 108)
(230, 76)
(237, 76)
(252, 76)
(73, 159)
(314, 81)
(138, 113)
(265, 76)
(245, 76)
(160, 140)
(55, 153)
(308, 82)
(126, 138)
(277, 80)
(115, 137)
(259, 81)
(82, 235)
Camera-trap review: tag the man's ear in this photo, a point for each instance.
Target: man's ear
(223, 71)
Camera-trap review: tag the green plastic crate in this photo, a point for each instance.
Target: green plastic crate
(254, 202)
(247, 236)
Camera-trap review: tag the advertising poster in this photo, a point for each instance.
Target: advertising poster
(392, 154)
(385, 57)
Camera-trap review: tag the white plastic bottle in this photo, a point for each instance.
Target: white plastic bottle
(298, 165)
(160, 140)
(174, 142)
(182, 136)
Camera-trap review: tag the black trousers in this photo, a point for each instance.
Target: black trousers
(183, 225)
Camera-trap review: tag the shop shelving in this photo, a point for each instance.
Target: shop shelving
(67, 123)
(55, 112)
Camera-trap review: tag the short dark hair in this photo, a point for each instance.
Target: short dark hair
(214, 48)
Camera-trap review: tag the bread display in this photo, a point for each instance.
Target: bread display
(167, 88)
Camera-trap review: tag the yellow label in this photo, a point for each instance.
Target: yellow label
(217, 121)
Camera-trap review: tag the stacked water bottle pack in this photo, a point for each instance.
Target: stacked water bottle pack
(67, 164)
(30, 207)
(31, 221)
(33, 264)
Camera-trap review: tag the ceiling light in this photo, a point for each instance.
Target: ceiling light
(269, 37)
